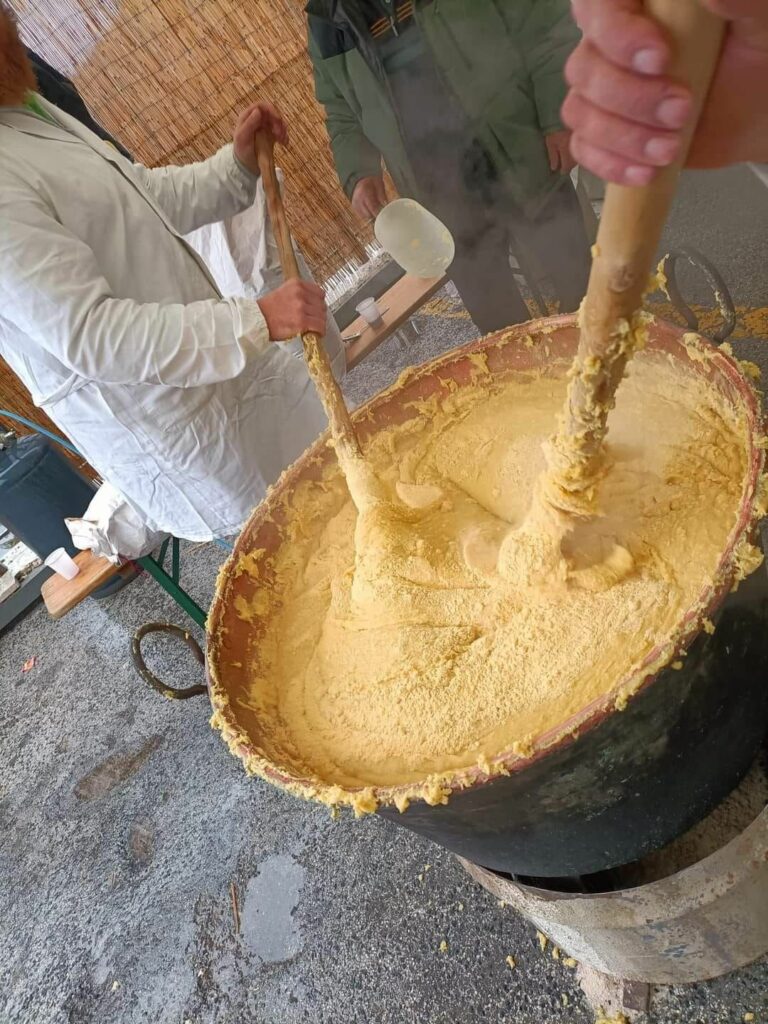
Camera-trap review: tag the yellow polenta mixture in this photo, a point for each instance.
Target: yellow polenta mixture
(397, 652)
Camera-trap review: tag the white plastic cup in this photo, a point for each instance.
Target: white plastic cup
(62, 564)
(369, 311)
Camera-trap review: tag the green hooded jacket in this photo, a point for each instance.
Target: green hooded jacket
(502, 60)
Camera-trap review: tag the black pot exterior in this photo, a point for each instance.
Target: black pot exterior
(636, 780)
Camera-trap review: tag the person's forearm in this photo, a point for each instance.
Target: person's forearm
(53, 291)
(201, 193)
(119, 341)
(179, 345)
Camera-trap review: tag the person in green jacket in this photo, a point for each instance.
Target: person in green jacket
(460, 100)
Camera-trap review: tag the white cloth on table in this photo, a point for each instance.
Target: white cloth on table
(112, 528)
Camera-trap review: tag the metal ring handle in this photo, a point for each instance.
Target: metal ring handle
(169, 692)
(715, 281)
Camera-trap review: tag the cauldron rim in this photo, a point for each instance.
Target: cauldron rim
(663, 336)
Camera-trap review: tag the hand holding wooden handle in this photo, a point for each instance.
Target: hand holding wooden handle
(629, 234)
(318, 364)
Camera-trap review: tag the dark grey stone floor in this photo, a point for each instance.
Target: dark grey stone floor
(124, 821)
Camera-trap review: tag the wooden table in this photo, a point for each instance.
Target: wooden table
(61, 595)
(401, 301)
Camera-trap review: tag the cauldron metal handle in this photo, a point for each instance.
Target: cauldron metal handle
(715, 281)
(169, 692)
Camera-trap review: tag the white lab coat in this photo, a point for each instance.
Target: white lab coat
(173, 393)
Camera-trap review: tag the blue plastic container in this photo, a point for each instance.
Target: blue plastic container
(39, 488)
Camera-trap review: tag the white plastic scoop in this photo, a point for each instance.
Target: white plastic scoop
(415, 238)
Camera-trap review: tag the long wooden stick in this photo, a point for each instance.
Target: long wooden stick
(342, 428)
(630, 231)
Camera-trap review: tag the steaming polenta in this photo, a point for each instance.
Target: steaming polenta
(369, 678)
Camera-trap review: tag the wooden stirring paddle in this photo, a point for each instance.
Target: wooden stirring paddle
(630, 230)
(318, 364)
(387, 536)
(611, 331)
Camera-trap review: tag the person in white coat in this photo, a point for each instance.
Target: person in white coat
(175, 394)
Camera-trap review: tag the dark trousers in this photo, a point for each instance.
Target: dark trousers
(483, 233)
(457, 181)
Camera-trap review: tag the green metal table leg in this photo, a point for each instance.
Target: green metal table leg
(170, 583)
(181, 597)
(162, 552)
(175, 560)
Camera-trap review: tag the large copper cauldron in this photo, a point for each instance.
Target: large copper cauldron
(620, 784)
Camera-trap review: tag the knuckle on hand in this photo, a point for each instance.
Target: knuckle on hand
(609, 167)
(577, 148)
(571, 110)
(593, 123)
(625, 94)
(571, 70)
